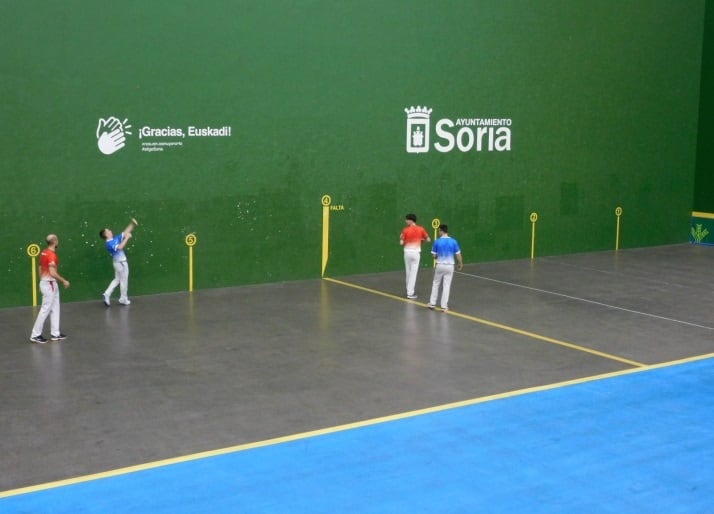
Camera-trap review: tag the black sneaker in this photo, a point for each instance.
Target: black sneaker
(38, 339)
(58, 337)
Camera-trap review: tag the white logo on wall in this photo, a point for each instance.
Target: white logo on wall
(112, 135)
(464, 134)
(418, 129)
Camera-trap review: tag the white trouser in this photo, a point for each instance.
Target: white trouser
(121, 279)
(51, 306)
(442, 273)
(411, 264)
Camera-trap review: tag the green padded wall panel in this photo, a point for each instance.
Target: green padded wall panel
(704, 179)
(308, 98)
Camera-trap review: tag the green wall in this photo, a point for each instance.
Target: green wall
(702, 223)
(704, 180)
(602, 98)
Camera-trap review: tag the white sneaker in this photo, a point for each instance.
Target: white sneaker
(124, 301)
(106, 300)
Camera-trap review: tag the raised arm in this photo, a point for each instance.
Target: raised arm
(130, 226)
(127, 234)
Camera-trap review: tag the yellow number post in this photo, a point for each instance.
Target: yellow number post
(534, 219)
(435, 225)
(326, 201)
(618, 213)
(33, 251)
(191, 241)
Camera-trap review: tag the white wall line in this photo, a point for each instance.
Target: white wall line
(576, 298)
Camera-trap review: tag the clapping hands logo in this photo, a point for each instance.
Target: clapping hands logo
(111, 134)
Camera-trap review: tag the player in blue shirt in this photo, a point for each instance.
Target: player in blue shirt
(447, 253)
(115, 246)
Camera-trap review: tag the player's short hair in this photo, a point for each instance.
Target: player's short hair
(411, 217)
(444, 228)
(102, 232)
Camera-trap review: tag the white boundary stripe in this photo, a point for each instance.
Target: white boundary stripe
(576, 298)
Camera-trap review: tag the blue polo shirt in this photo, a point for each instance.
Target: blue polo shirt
(444, 249)
(116, 253)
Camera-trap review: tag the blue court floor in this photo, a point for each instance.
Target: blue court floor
(633, 441)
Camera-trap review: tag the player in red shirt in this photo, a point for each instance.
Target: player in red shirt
(49, 276)
(411, 239)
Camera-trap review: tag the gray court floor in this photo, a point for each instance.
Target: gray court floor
(177, 374)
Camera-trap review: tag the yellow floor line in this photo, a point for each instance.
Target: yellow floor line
(347, 426)
(500, 326)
